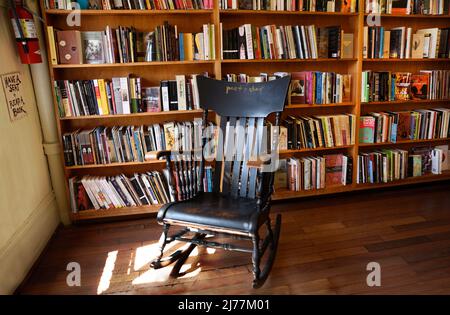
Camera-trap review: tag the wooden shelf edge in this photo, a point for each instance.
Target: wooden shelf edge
(288, 152)
(285, 194)
(310, 60)
(412, 16)
(294, 106)
(404, 102)
(87, 12)
(406, 60)
(133, 115)
(113, 212)
(275, 12)
(132, 64)
(112, 165)
(403, 142)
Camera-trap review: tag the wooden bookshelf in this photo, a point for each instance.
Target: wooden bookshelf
(191, 20)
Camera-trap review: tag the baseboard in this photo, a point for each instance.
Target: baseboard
(20, 252)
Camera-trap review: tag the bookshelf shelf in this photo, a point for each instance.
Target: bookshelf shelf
(284, 194)
(113, 212)
(272, 12)
(405, 102)
(408, 180)
(286, 153)
(321, 60)
(113, 165)
(128, 12)
(188, 20)
(134, 115)
(411, 16)
(133, 64)
(424, 60)
(403, 142)
(297, 106)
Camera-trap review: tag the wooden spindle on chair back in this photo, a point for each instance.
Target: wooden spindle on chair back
(243, 109)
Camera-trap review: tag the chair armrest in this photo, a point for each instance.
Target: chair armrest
(156, 155)
(260, 161)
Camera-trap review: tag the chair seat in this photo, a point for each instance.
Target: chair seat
(214, 210)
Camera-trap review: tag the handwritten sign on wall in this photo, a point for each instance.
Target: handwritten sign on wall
(13, 87)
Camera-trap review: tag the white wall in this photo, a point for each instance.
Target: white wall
(28, 211)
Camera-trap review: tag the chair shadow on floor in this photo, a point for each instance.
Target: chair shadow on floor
(205, 269)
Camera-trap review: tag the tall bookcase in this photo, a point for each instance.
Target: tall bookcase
(191, 21)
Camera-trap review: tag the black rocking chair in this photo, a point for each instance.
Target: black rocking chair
(242, 185)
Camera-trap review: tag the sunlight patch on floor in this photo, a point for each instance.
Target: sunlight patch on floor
(107, 272)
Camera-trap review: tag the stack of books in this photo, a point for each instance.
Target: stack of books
(125, 95)
(126, 44)
(314, 172)
(401, 42)
(321, 131)
(406, 125)
(106, 145)
(286, 42)
(404, 86)
(133, 4)
(306, 87)
(288, 5)
(151, 188)
(316, 87)
(389, 165)
(433, 7)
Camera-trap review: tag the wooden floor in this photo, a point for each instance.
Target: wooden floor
(325, 246)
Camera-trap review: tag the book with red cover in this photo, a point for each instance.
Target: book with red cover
(404, 126)
(400, 7)
(81, 197)
(69, 47)
(333, 169)
(366, 129)
(402, 85)
(419, 86)
(298, 88)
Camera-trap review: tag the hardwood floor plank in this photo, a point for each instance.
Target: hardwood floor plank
(325, 245)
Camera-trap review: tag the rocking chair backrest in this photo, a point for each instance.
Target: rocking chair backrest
(243, 108)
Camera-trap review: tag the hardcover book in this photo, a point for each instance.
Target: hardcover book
(419, 86)
(366, 129)
(404, 126)
(93, 47)
(69, 47)
(333, 169)
(151, 99)
(402, 85)
(298, 88)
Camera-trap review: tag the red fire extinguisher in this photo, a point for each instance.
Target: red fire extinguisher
(25, 32)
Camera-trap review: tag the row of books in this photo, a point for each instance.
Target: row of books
(286, 42)
(318, 131)
(403, 86)
(150, 188)
(406, 125)
(126, 44)
(401, 42)
(133, 4)
(125, 95)
(433, 7)
(291, 5)
(314, 172)
(119, 144)
(306, 87)
(395, 164)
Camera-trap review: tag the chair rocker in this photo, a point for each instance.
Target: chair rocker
(242, 186)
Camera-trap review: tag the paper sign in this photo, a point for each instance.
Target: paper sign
(12, 85)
